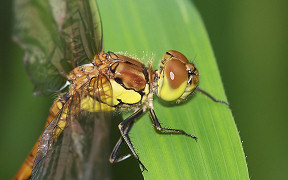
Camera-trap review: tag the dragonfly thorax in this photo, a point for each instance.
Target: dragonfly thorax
(112, 81)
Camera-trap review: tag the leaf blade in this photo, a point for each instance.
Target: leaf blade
(155, 27)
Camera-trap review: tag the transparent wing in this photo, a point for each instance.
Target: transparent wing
(48, 140)
(56, 36)
(86, 157)
(82, 150)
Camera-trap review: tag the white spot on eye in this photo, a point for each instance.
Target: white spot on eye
(172, 75)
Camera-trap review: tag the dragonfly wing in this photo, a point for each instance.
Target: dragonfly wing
(47, 143)
(82, 150)
(82, 30)
(51, 139)
(62, 161)
(56, 36)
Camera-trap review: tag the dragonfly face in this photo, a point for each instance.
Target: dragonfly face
(177, 77)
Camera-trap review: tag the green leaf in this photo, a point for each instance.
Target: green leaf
(147, 29)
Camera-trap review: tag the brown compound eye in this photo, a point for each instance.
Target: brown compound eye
(173, 79)
(178, 55)
(176, 73)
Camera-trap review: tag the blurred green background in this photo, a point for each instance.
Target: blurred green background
(250, 41)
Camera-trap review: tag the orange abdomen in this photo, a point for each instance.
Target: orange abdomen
(26, 168)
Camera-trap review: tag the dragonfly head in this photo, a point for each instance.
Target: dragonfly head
(178, 78)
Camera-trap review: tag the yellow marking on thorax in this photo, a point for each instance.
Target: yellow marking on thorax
(119, 92)
(146, 92)
(126, 96)
(92, 105)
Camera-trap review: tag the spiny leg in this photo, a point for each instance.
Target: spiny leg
(122, 126)
(113, 156)
(167, 130)
(211, 97)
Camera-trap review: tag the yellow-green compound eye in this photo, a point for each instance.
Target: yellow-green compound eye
(173, 80)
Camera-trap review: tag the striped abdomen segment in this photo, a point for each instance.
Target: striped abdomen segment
(26, 168)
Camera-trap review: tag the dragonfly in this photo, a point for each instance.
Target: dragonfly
(63, 46)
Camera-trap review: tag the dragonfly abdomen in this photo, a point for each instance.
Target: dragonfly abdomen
(26, 169)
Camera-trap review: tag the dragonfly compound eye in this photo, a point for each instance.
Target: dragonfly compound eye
(178, 78)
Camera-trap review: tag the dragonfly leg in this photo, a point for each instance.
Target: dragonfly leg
(167, 130)
(122, 126)
(211, 97)
(113, 156)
